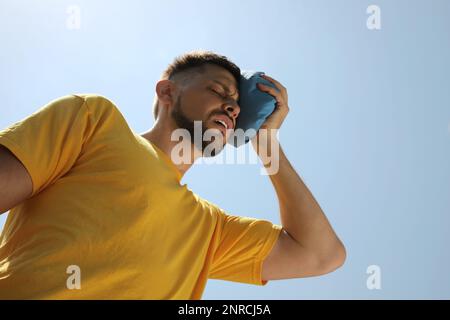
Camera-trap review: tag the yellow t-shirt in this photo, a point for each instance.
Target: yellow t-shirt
(109, 218)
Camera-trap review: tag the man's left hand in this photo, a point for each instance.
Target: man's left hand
(281, 110)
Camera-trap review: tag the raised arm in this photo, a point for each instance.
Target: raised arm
(307, 245)
(15, 182)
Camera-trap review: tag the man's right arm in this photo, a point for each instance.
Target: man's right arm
(15, 182)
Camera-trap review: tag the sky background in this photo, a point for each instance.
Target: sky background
(368, 129)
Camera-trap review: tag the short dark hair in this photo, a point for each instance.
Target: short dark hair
(193, 62)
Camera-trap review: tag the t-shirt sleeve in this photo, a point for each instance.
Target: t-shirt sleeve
(49, 141)
(243, 244)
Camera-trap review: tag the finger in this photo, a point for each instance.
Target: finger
(275, 82)
(272, 91)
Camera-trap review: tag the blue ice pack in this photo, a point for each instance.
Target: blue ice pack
(255, 105)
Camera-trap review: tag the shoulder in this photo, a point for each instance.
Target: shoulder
(78, 103)
(99, 107)
(95, 100)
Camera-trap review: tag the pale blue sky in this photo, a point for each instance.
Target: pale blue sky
(368, 130)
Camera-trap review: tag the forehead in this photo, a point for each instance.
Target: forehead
(219, 74)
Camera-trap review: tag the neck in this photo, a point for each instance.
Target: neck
(160, 135)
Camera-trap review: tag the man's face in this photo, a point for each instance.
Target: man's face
(212, 96)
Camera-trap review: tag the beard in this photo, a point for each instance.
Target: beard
(184, 122)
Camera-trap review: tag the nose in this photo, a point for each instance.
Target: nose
(233, 109)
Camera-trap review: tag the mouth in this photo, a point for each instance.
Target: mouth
(224, 121)
(221, 123)
(221, 126)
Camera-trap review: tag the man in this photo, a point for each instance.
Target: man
(98, 211)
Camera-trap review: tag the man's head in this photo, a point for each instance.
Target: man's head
(199, 86)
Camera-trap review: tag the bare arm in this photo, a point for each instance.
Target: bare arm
(15, 182)
(308, 245)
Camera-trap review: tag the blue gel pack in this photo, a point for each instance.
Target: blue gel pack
(255, 105)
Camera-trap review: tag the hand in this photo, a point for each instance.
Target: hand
(265, 141)
(281, 110)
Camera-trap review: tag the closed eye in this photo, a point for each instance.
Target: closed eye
(220, 95)
(223, 96)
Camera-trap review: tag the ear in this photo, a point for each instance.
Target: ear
(167, 92)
